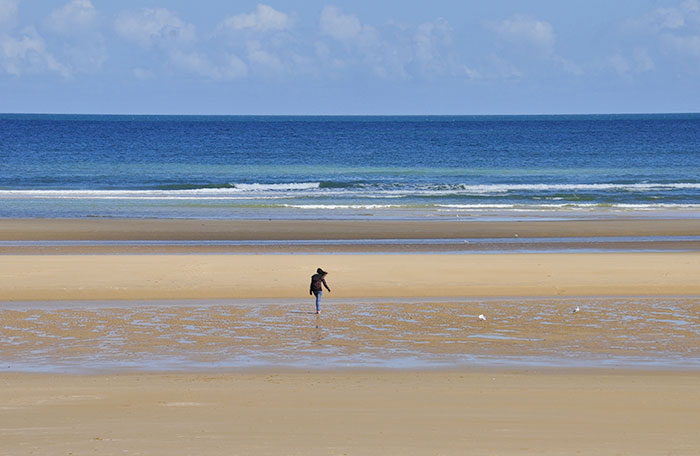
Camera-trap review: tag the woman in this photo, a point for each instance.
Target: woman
(318, 281)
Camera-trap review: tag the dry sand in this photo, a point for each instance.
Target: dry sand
(64, 277)
(139, 273)
(353, 413)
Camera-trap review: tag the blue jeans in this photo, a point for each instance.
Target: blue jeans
(318, 300)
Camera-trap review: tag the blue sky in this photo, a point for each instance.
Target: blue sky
(343, 57)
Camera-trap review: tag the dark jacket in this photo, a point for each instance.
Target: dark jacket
(317, 282)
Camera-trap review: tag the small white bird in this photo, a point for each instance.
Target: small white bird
(482, 318)
(575, 310)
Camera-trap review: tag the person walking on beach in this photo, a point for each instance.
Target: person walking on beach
(318, 281)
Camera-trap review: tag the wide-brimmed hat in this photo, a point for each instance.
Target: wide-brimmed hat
(321, 271)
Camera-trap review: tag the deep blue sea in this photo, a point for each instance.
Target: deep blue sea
(350, 167)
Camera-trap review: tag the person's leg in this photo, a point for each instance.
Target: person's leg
(318, 301)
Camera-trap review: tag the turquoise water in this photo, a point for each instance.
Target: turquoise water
(349, 167)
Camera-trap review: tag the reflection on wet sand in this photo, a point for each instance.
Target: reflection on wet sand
(652, 332)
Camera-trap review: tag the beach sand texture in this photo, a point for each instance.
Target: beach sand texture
(530, 410)
(338, 413)
(414, 334)
(170, 229)
(70, 277)
(141, 274)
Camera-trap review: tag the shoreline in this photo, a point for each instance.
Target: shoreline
(569, 370)
(212, 230)
(209, 237)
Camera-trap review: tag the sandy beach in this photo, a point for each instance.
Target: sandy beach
(136, 272)
(337, 413)
(170, 229)
(77, 305)
(225, 335)
(69, 277)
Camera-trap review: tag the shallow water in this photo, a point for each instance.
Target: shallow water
(567, 244)
(657, 332)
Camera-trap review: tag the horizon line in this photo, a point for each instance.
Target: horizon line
(349, 115)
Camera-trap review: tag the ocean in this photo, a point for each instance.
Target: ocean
(437, 167)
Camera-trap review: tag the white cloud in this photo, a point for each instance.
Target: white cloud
(233, 67)
(689, 44)
(258, 56)
(24, 51)
(566, 65)
(174, 42)
(428, 39)
(390, 51)
(201, 64)
(266, 39)
(529, 37)
(157, 27)
(433, 51)
(8, 13)
(522, 29)
(363, 46)
(264, 43)
(670, 31)
(82, 45)
(639, 62)
(665, 19)
(620, 64)
(75, 14)
(346, 28)
(263, 19)
(500, 68)
(643, 61)
(691, 6)
(143, 74)
(27, 53)
(684, 37)
(339, 26)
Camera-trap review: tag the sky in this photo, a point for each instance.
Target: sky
(360, 57)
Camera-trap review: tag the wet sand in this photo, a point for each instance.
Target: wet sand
(519, 245)
(166, 229)
(108, 336)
